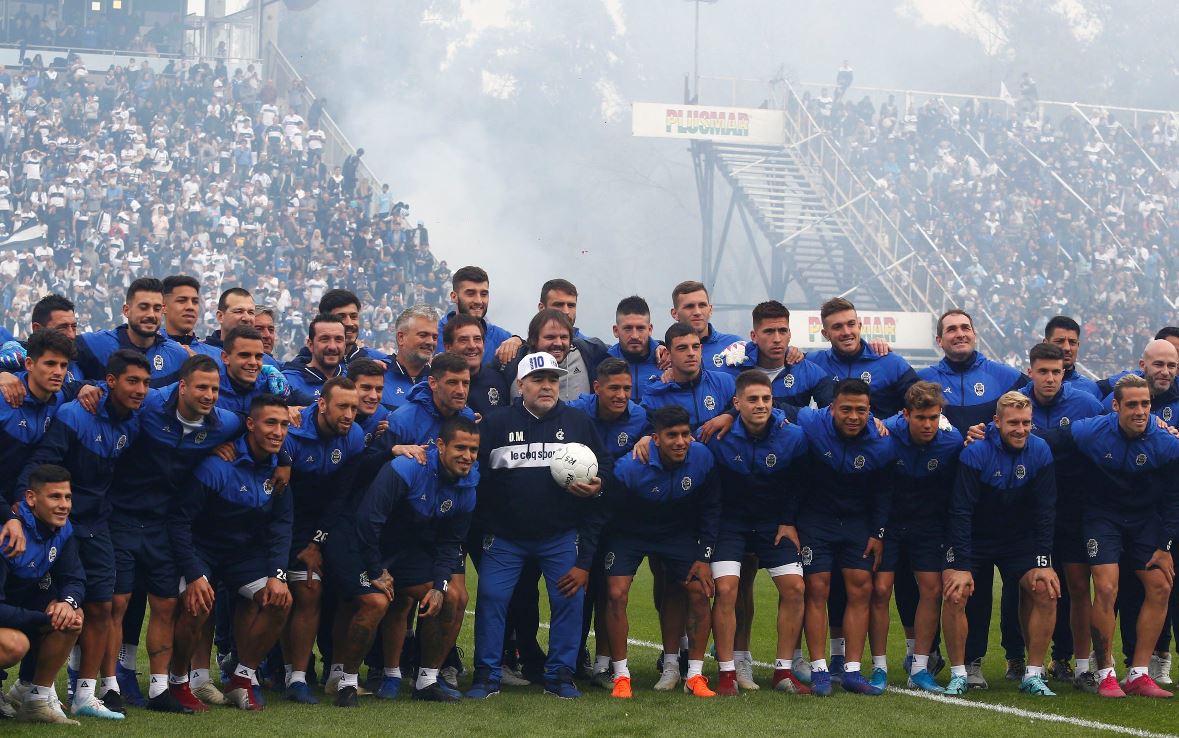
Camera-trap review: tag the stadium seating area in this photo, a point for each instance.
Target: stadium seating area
(194, 170)
(984, 181)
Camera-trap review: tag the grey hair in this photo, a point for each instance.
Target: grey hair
(420, 310)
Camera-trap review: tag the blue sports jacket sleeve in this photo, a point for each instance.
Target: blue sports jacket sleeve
(371, 514)
(12, 616)
(448, 547)
(69, 575)
(54, 448)
(185, 507)
(963, 498)
(278, 531)
(708, 516)
(1043, 487)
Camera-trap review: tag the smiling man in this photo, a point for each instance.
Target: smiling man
(1159, 365)
(306, 376)
(144, 311)
(416, 337)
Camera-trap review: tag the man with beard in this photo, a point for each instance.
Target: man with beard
(1158, 366)
(346, 305)
(489, 388)
(1065, 333)
(632, 328)
(235, 307)
(306, 375)
(417, 337)
(143, 310)
(54, 312)
(551, 332)
(471, 295)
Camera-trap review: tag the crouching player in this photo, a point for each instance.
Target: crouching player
(400, 547)
(230, 526)
(40, 593)
(668, 507)
(1002, 513)
(759, 463)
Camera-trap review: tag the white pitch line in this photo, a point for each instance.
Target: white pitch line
(958, 702)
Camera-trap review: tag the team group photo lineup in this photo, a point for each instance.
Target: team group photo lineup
(263, 450)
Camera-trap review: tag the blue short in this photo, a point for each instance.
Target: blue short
(920, 545)
(829, 542)
(346, 570)
(1012, 559)
(32, 598)
(737, 538)
(624, 553)
(97, 554)
(144, 553)
(237, 573)
(1068, 543)
(1113, 539)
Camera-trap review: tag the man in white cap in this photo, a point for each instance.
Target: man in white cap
(525, 515)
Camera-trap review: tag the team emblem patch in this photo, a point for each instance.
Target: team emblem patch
(52, 554)
(119, 444)
(1167, 414)
(980, 389)
(337, 455)
(771, 460)
(47, 419)
(950, 555)
(623, 438)
(368, 438)
(866, 377)
(268, 486)
(487, 541)
(1140, 459)
(200, 437)
(808, 556)
(45, 582)
(710, 402)
(686, 483)
(609, 560)
(788, 380)
(158, 362)
(364, 580)
(1064, 422)
(859, 462)
(445, 506)
(718, 360)
(931, 464)
(1020, 471)
(493, 396)
(1091, 548)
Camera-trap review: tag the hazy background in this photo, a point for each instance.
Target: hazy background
(505, 123)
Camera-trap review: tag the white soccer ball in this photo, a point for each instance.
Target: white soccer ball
(573, 463)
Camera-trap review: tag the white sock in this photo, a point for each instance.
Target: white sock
(84, 691)
(75, 661)
(851, 666)
(335, 671)
(296, 676)
(1082, 666)
(39, 693)
(348, 680)
(819, 665)
(426, 677)
(199, 678)
(157, 685)
(620, 669)
(783, 664)
(745, 656)
(109, 683)
(836, 645)
(244, 671)
(1137, 671)
(671, 661)
(727, 665)
(909, 646)
(178, 678)
(880, 662)
(797, 654)
(127, 655)
(1031, 671)
(287, 670)
(391, 673)
(920, 663)
(683, 643)
(695, 668)
(959, 670)
(601, 663)
(1103, 673)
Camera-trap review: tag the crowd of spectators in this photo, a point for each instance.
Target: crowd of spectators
(1034, 213)
(193, 170)
(39, 24)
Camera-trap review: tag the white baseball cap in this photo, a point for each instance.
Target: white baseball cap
(539, 362)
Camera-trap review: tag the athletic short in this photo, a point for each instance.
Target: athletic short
(920, 545)
(143, 553)
(348, 574)
(246, 577)
(97, 554)
(1112, 539)
(829, 542)
(1069, 543)
(624, 553)
(1011, 559)
(736, 540)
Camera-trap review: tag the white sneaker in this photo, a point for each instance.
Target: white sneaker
(745, 675)
(209, 694)
(669, 680)
(509, 677)
(17, 692)
(95, 709)
(43, 711)
(1160, 667)
(802, 669)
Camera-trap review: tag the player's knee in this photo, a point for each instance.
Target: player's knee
(1105, 590)
(371, 609)
(817, 591)
(727, 589)
(163, 609)
(13, 646)
(859, 590)
(881, 593)
(309, 593)
(1157, 590)
(791, 590)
